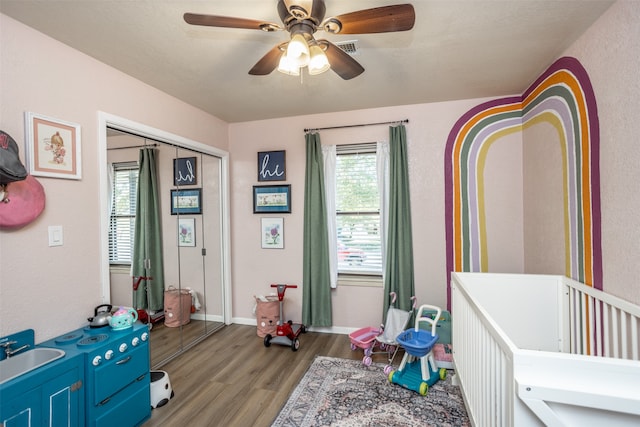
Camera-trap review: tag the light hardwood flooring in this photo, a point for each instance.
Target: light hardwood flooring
(166, 341)
(232, 379)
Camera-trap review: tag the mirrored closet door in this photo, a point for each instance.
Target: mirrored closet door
(179, 285)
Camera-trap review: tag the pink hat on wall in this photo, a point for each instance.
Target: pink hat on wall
(22, 197)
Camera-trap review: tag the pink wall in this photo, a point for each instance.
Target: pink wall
(610, 52)
(544, 230)
(504, 205)
(54, 289)
(353, 306)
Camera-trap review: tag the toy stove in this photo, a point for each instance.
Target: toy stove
(116, 373)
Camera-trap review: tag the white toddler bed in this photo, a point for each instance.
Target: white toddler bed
(533, 350)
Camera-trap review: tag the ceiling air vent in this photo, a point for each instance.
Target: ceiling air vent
(350, 46)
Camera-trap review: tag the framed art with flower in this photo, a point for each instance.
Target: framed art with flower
(272, 230)
(53, 147)
(187, 232)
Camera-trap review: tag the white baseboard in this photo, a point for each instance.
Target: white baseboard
(244, 321)
(208, 317)
(324, 330)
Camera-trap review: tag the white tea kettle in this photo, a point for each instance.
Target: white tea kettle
(123, 318)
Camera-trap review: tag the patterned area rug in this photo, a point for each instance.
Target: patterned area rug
(342, 392)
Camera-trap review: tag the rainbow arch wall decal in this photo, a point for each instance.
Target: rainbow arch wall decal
(563, 97)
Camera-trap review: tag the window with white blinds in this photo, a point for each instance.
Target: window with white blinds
(358, 210)
(123, 212)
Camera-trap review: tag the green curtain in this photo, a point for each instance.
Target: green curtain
(316, 290)
(147, 245)
(399, 255)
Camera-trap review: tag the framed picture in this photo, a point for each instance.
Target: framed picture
(187, 232)
(272, 230)
(52, 147)
(272, 199)
(271, 166)
(186, 201)
(184, 171)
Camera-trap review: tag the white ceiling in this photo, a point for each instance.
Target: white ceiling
(456, 50)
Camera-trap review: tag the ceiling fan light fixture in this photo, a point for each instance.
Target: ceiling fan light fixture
(318, 62)
(287, 66)
(298, 50)
(301, 19)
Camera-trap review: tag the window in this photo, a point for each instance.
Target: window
(123, 212)
(358, 210)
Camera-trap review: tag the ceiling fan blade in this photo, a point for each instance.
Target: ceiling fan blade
(399, 17)
(267, 63)
(229, 22)
(341, 62)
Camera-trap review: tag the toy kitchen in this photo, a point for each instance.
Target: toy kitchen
(112, 383)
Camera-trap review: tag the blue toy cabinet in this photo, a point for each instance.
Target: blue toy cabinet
(48, 396)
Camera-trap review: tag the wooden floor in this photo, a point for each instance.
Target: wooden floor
(232, 379)
(166, 342)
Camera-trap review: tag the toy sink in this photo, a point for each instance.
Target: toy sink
(22, 363)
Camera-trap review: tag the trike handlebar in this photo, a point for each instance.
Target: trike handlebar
(281, 289)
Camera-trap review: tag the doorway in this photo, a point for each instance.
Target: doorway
(198, 264)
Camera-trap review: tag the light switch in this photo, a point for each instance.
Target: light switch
(55, 235)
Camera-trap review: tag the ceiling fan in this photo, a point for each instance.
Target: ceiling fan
(302, 18)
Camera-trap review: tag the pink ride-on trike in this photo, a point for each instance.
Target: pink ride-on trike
(286, 333)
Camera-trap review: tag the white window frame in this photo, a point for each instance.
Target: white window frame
(115, 237)
(355, 278)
